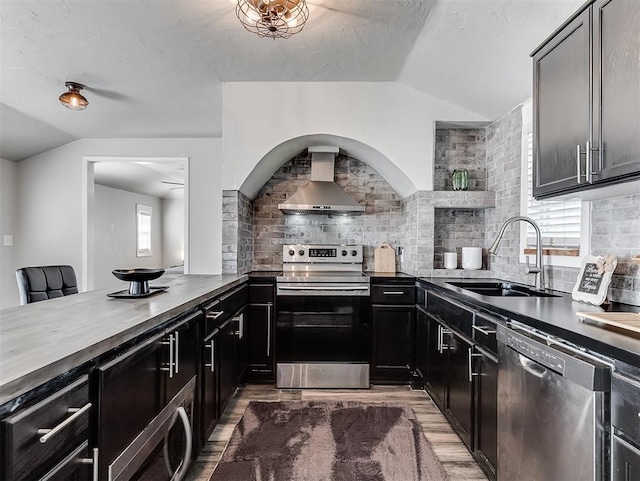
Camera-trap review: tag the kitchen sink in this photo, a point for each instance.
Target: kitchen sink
(501, 289)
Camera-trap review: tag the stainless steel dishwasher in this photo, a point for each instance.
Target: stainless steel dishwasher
(553, 409)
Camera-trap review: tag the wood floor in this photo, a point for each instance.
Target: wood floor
(452, 453)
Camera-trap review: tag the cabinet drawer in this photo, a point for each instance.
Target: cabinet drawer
(234, 300)
(625, 406)
(450, 313)
(26, 456)
(393, 294)
(484, 333)
(261, 293)
(213, 315)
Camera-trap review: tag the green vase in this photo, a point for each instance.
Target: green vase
(460, 179)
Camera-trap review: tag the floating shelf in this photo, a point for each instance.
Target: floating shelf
(461, 199)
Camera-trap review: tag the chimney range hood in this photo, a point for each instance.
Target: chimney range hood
(321, 195)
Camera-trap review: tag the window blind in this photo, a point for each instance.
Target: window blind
(559, 221)
(143, 230)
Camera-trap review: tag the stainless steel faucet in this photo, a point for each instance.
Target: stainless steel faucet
(538, 269)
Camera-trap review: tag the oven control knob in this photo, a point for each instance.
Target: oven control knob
(344, 253)
(291, 252)
(354, 253)
(301, 252)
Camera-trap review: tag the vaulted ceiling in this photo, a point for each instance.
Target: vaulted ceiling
(155, 68)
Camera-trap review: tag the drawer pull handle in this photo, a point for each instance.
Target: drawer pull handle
(213, 315)
(484, 330)
(77, 412)
(393, 293)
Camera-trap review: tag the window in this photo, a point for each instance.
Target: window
(564, 224)
(143, 230)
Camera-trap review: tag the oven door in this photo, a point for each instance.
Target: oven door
(323, 339)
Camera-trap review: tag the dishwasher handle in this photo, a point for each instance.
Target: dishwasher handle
(586, 372)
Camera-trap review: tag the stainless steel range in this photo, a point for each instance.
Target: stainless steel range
(322, 318)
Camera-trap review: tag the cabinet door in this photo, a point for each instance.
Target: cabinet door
(460, 387)
(240, 351)
(625, 461)
(422, 343)
(185, 355)
(260, 342)
(616, 46)
(209, 385)
(486, 412)
(132, 376)
(562, 106)
(226, 373)
(392, 343)
(436, 362)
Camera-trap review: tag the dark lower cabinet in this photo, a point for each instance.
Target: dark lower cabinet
(436, 376)
(486, 412)
(393, 307)
(209, 385)
(459, 401)
(30, 454)
(260, 329)
(133, 388)
(422, 346)
(240, 352)
(226, 356)
(393, 337)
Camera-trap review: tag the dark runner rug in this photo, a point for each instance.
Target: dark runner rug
(328, 441)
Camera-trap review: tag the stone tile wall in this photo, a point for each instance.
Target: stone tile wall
(382, 220)
(460, 149)
(455, 229)
(237, 232)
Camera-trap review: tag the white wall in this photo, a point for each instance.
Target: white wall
(115, 234)
(8, 286)
(172, 231)
(51, 199)
(396, 120)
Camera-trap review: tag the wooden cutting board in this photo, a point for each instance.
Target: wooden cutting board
(623, 320)
(384, 258)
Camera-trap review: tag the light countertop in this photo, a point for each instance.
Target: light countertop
(45, 339)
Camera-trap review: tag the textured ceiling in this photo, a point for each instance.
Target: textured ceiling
(154, 68)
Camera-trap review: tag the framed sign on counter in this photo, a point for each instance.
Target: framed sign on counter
(594, 279)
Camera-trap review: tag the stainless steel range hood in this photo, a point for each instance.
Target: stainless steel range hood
(321, 195)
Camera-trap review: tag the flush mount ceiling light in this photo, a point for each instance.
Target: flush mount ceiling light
(73, 99)
(273, 18)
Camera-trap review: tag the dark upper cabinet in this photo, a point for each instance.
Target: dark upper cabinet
(562, 100)
(616, 82)
(586, 101)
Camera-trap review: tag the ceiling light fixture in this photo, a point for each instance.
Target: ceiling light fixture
(73, 99)
(273, 18)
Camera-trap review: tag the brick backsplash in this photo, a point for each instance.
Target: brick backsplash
(460, 149)
(237, 232)
(382, 220)
(455, 229)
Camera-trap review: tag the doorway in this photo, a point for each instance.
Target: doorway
(118, 189)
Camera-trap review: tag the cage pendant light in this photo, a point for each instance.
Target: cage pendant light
(273, 18)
